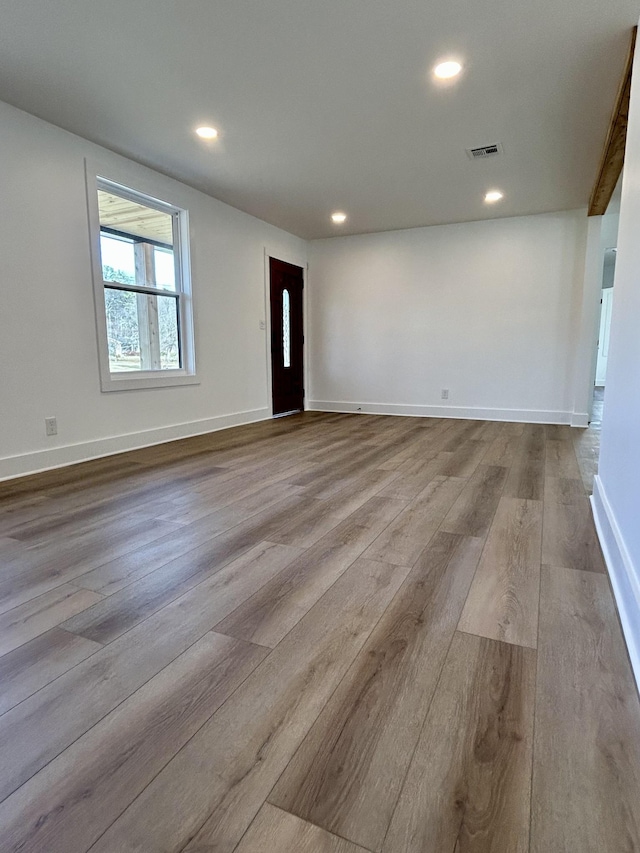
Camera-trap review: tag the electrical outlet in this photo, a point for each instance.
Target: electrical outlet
(51, 425)
(445, 394)
(263, 325)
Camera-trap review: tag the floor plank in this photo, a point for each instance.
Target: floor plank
(404, 539)
(504, 595)
(273, 610)
(526, 480)
(560, 460)
(112, 616)
(465, 459)
(321, 516)
(278, 831)
(570, 539)
(41, 568)
(227, 770)
(38, 729)
(526, 477)
(69, 803)
(558, 432)
(369, 728)
(468, 787)
(339, 474)
(586, 772)
(503, 450)
(38, 662)
(563, 490)
(118, 573)
(24, 623)
(472, 513)
(30, 507)
(417, 476)
(215, 497)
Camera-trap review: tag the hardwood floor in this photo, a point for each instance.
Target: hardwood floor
(503, 600)
(325, 633)
(468, 787)
(586, 700)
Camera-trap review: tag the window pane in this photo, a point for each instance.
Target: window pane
(142, 331)
(165, 274)
(169, 339)
(286, 329)
(136, 242)
(134, 219)
(118, 259)
(122, 329)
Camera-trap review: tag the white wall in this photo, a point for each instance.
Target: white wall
(489, 310)
(48, 350)
(617, 486)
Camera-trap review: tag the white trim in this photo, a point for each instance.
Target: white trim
(538, 416)
(625, 578)
(588, 321)
(135, 188)
(580, 419)
(58, 457)
(267, 329)
(141, 379)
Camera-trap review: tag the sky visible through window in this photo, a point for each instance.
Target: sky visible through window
(118, 254)
(165, 273)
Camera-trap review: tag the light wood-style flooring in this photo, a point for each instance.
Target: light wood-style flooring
(319, 634)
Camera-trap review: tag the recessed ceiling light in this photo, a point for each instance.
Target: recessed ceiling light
(493, 196)
(338, 218)
(448, 69)
(207, 132)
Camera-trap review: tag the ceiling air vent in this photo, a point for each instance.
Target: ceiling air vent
(485, 151)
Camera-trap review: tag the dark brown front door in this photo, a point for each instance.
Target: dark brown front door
(287, 373)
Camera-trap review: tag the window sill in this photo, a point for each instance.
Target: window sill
(148, 379)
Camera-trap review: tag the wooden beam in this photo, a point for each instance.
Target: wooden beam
(613, 156)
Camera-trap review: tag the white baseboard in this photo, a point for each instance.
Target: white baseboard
(58, 457)
(625, 577)
(512, 415)
(580, 419)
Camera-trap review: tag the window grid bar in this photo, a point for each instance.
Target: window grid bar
(135, 288)
(133, 238)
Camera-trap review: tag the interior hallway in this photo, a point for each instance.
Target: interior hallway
(337, 633)
(587, 442)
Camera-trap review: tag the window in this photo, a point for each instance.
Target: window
(286, 329)
(142, 288)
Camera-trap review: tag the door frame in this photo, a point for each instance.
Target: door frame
(298, 261)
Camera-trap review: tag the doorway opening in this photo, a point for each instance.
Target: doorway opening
(609, 243)
(286, 283)
(587, 442)
(602, 356)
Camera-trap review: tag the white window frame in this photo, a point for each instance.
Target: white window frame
(98, 177)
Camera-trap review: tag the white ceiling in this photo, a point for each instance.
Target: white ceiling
(330, 104)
